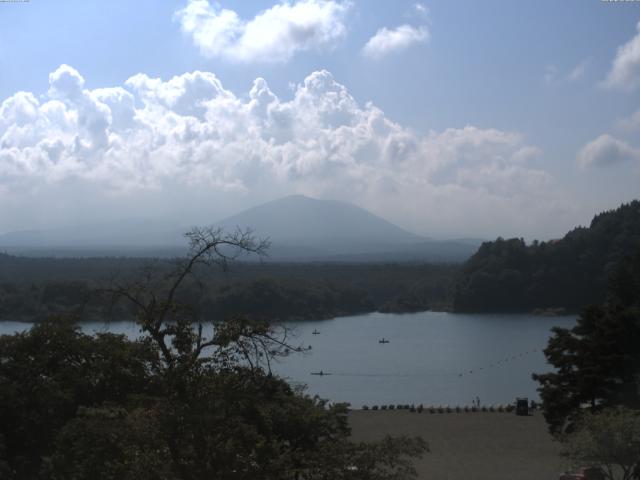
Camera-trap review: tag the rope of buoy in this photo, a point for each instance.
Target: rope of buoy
(501, 361)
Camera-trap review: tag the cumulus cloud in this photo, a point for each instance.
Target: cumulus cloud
(625, 69)
(386, 41)
(153, 145)
(274, 35)
(606, 150)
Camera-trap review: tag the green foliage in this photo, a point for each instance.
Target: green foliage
(508, 275)
(48, 372)
(597, 362)
(110, 443)
(610, 440)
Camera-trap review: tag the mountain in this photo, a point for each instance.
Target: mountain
(300, 218)
(300, 229)
(508, 275)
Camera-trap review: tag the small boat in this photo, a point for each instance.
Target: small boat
(383, 340)
(315, 332)
(321, 373)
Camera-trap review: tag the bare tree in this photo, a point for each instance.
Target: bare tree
(177, 329)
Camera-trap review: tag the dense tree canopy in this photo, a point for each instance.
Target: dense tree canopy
(598, 361)
(35, 288)
(508, 275)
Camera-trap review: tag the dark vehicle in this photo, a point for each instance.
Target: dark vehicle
(522, 406)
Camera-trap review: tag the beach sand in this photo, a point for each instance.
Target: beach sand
(470, 446)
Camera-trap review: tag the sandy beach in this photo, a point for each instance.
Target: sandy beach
(470, 446)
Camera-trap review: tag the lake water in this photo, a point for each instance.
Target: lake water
(432, 358)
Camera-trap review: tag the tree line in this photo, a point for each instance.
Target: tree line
(509, 275)
(36, 288)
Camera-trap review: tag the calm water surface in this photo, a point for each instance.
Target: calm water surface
(432, 358)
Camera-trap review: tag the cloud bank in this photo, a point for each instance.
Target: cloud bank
(189, 144)
(625, 69)
(274, 35)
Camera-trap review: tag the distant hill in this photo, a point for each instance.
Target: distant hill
(508, 275)
(303, 229)
(297, 218)
(300, 228)
(134, 234)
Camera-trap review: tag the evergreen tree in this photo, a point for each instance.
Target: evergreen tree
(598, 361)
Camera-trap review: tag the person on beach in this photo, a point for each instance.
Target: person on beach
(478, 402)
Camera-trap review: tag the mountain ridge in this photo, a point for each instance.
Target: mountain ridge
(300, 228)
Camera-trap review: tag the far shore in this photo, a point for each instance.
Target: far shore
(463, 446)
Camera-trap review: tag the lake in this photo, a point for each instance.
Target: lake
(433, 358)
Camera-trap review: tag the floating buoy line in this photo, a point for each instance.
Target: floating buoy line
(498, 363)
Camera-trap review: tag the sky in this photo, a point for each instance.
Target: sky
(450, 119)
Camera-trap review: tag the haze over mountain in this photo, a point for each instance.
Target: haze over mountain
(300, 228)
(301, 218)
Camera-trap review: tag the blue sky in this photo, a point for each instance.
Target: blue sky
(496, 117)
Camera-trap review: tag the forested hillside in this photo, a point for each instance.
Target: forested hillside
(32, 289)
(508, 275)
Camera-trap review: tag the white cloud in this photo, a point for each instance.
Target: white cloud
(552, 74)
(387, 41)
(606, 150)
(154, 145)
(625, 69)
(274, 35)
(578, 72)
(630, 123)
(421, 9)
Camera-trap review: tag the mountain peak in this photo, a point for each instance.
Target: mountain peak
(298, 217)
